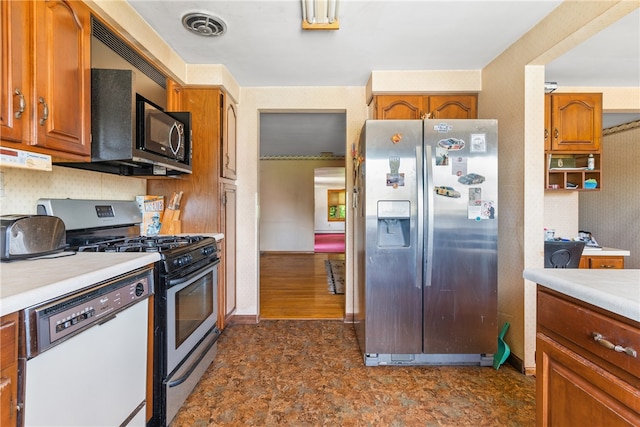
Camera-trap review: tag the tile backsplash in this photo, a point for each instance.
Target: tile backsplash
(23, 188)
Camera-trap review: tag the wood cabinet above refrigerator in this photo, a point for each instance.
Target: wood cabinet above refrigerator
(411, 106)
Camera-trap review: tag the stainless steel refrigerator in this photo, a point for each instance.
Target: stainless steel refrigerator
(426, 202)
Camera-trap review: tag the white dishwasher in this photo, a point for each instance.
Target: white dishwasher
(87, 355)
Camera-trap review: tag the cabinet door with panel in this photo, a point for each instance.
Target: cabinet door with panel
(8, 369)
(399, 107)
(228, 227)
(14, 71)
(452, 107)
(46, 81)
(575, 121)
(228, 144)
(62, 95)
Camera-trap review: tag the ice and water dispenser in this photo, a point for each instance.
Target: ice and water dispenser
(394, 221)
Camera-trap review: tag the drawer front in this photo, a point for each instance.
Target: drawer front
(9, 340)
(606, 262)
(578, 324)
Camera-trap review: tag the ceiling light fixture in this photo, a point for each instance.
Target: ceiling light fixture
(203, 24)
(320, 15)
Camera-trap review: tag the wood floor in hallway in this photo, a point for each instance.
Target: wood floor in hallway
(294, 286)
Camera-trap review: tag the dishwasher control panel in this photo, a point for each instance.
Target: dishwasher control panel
(51, 322)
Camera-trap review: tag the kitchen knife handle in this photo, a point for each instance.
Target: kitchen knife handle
(21, 103)
(45, 111)
(597, 337)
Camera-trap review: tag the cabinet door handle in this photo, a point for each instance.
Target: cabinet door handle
(611, 346)
(45, 111)
(556, 133)
(607, 266)
(21, 103)
(546, 134)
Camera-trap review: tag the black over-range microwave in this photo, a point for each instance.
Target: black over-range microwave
(131, 135)
(162, 133)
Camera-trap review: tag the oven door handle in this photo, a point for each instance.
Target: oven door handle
(192, 276)
(178, 281)
(193, 366)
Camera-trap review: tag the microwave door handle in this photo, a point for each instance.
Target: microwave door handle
(178, 129)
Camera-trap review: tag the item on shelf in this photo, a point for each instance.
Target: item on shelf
(590, 184)
(591, 163)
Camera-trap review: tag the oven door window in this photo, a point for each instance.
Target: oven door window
(194, 304)
(192, 312)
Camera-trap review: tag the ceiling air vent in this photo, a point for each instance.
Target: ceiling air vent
(204, 25)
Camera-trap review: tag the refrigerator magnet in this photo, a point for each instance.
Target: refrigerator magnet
(458, 165)
(395, 178)
(475, 197)
(478, 143)
(453, 144)
(488, 210)
(442, 156)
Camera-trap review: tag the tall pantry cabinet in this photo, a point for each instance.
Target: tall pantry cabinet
(45, 98)
(208, 204)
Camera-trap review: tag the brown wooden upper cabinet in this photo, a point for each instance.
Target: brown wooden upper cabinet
(52, 115)
(572, 134)
(409, 107)
(573, 121)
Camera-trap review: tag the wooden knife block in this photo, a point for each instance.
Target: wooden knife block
(171, 223)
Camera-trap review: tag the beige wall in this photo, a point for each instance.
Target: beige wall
(613, 214)
(513, 92)
(287, 202)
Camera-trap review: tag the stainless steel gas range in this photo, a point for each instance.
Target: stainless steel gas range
(186, 290)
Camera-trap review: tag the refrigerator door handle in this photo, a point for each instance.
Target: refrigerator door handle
(427, 261)
(420, 217)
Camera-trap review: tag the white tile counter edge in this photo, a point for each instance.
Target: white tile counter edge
(27, 283)
(617, 291)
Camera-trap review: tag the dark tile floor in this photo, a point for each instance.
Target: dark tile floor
(310, 373)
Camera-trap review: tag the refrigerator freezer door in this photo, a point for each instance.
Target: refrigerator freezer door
(392, 311)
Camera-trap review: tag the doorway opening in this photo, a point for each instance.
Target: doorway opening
(295, 207)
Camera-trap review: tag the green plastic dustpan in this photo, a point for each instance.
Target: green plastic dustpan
(503, 348)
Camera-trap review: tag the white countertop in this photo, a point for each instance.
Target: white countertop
(617, 291)
(26, 283)
(603, 251)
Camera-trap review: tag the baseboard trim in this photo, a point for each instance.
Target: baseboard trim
(518, 365)
(246, 319)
